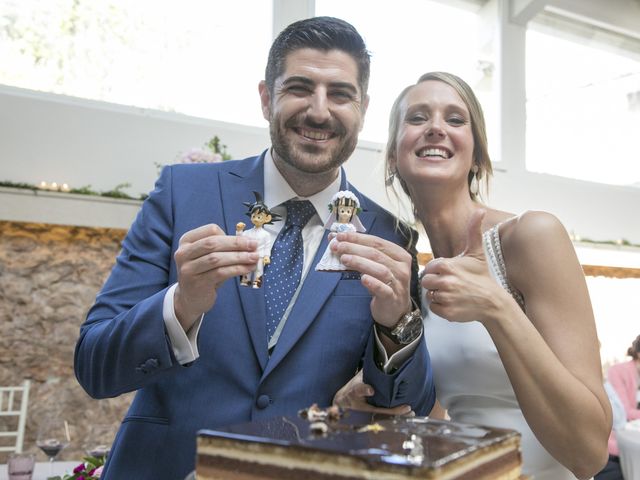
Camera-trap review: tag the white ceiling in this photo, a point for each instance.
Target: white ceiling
(619, 16)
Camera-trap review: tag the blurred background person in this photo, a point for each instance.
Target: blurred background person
(623, 388)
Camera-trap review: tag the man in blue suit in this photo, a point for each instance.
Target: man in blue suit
(173, 322)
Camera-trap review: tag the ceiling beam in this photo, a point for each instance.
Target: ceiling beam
(521, 11)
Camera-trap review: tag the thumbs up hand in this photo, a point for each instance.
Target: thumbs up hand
(461, 289)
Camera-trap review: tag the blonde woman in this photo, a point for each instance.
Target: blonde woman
(507, 315)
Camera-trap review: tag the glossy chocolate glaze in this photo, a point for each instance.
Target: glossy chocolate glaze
(414, 442)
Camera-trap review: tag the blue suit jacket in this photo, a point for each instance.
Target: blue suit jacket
(123, 345)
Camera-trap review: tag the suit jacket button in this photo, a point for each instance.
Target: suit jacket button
(263, 401)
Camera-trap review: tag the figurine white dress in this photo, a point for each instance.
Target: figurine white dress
(344, 208)
(260, 215)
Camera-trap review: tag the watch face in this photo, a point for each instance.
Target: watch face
(411, 329)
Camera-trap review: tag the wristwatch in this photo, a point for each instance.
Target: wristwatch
(406, 330)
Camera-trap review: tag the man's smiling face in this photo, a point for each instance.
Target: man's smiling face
(316, 110)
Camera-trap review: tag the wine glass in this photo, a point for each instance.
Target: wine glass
(53, 436)
(98, 442)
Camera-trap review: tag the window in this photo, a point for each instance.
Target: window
(407, 38)
(615, 305)
(195, 57)
(583, 107)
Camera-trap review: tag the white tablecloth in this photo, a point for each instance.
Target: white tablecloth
(41, 471)
(629, 446)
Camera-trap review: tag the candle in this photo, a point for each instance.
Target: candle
(43, 185)
(65, 187)
(54, 186)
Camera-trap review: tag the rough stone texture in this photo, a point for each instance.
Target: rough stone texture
(49, 276)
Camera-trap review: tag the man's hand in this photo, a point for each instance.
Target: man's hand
(205, 258)
(385, 272)
(385, 269)
(354, 395)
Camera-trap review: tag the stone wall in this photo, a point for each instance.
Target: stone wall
(49, 276)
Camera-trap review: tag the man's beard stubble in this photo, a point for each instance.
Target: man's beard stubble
(292, 154)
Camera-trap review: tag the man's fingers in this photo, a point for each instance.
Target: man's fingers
(214, 244)
(201, 232)
(218, 261)
(366, 245)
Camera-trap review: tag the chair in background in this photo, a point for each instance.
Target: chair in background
(629, 445)
(13, 403)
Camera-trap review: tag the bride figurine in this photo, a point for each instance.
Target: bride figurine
(344, 209)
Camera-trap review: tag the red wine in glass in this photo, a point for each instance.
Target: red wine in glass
(51, 447)
(53, 436)
(98, 451)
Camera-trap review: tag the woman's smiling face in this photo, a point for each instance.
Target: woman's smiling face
(435, 140)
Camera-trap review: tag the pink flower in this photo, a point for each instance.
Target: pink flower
(197, 155)
(98, 471)
(79, 468)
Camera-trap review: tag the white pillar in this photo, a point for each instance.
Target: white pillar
(510, 54)
(286, 12)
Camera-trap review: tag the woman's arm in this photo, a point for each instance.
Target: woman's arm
(550, 352)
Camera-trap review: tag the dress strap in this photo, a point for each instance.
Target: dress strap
(493, 250)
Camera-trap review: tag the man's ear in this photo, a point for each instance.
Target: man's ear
(365, 105)
(265, 100)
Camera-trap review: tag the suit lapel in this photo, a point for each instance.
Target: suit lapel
(315, 292)
(237, 186)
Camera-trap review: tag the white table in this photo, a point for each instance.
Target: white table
(41, 471)
(629, 446)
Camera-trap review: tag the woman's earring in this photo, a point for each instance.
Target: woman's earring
(391, 176)
(474, 186)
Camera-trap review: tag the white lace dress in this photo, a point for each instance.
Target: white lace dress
(471, 382)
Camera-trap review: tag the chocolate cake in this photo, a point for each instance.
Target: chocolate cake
(356, 445)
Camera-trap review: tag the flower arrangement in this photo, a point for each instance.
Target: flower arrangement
(89, 469)
(211, 152)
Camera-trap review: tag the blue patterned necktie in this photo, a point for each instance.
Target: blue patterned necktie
(283, 274)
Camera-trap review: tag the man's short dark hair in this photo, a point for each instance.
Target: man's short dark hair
(320, 33)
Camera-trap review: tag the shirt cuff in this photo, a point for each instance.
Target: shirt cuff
(184, 344)
(393, 363)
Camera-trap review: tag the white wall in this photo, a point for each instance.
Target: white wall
(79, 142)
(52, 138)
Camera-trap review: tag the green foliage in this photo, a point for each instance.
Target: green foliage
(86, 190)
(25, 186)
(85, 471)
(116, 192)
(215, 147)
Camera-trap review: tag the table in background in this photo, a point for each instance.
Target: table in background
(629, 446)
(41, 471)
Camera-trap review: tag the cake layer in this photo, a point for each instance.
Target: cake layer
(358, 446)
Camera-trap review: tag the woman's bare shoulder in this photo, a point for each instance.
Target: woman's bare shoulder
(534, 239)
(532, 228)
(496, 217)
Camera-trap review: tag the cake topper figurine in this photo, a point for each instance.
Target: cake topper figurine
(344, 209)
(260, 215)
